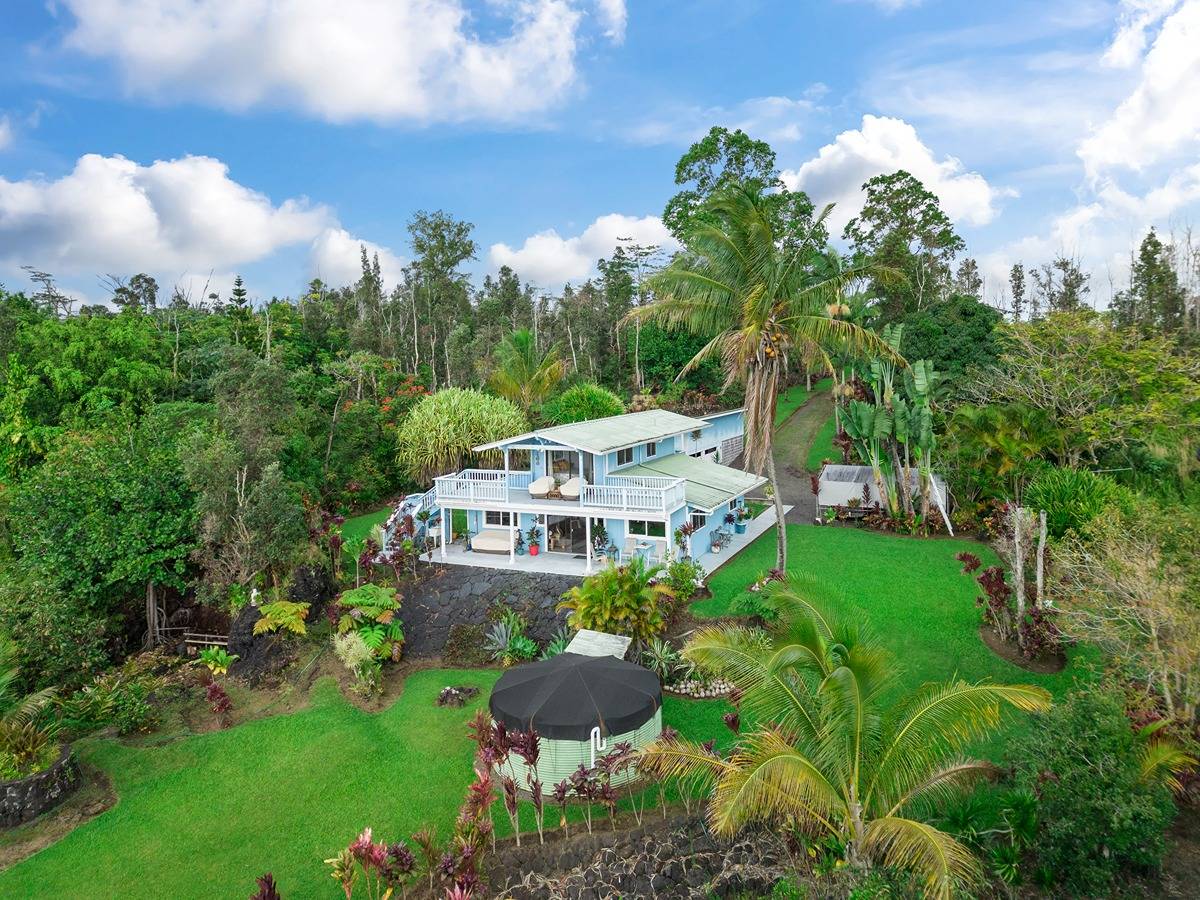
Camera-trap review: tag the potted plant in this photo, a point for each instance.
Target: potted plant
(535, 540)
(743, 516)
(519, 543)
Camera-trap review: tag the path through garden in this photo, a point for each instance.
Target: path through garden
(793, 438)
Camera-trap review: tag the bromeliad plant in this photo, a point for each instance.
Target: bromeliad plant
(372, 612)
(828, 747)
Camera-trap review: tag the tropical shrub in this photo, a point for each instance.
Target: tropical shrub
(685, 577)
(1075, 498)
(26, 739)
(372, 611)
(383, 868)
(281, 614)
(1103, 805)
(621, 600)
(557, 644)
(836, 753)
(507, 643)
(442, 428)
(666, 662)
(580, 403)
(217, 659)
(356, 656)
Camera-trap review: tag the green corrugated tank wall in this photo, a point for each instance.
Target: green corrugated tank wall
(558, 759)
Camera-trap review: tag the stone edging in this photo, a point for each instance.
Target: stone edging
(27, 798)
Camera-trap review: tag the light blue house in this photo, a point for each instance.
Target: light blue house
(605, 488)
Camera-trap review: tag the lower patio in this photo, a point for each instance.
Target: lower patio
(457, 554)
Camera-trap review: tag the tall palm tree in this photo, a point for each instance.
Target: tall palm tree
(759, 301)
(524, 374)
(831, 746)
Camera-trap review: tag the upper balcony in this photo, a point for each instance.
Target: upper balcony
(653, 497)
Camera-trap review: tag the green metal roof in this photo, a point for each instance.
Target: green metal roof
(613, 432)
(709, 484)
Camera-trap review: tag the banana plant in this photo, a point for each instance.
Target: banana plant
(869, 426)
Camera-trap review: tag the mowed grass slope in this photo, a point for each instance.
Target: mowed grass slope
(792, 398)
(204, 816)
(910, 591)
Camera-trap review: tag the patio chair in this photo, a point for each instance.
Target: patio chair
(540, 488)
(571, 488)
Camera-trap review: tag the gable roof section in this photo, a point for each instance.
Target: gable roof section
(709, 484)
(611, 433)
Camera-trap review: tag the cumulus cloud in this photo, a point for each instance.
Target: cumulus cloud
(1160, 118)
(1136, 20)
(776, 120)
(110, 214)
(343, 60)
(336, 258)
(550, 260)
(881, 146)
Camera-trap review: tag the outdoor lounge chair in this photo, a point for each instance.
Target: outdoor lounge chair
(540, 488)
(492, 540)
(570, 489)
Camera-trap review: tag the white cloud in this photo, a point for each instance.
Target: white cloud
(6, 132)
(110, 214)
(881, 146)
(776, 120)
(1136, 19)
(343, 60)
(1161, 117)
(613, 16)
(550, 260)
(336, 258)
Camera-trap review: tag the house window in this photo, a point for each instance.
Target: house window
(699, 520)
(647, 529)
(651, 449)
(493, 517)
(625, 457)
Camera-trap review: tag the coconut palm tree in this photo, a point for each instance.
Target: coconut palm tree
(832, 747)
(758, 301)
(524, 374)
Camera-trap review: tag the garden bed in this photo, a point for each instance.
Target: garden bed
(24, 799)
(1043, 665)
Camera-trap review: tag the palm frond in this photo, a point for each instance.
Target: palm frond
(937, 722)
(943, 863)
(770, 779)
(1163, 761)
(945, 783)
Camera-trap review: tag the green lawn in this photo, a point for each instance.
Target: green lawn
(356, 528)
(791, 399)
(822, 446)
(911, 591)
(204, 816)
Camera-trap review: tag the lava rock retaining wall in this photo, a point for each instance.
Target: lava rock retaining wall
(677, 859)
(461, 595)
(29, 797)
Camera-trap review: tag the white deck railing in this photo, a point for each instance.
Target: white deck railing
(632, 493)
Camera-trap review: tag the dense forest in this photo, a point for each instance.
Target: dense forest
(162, 449)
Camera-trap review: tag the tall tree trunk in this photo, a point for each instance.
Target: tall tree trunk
(780, 526)
(152, 624)
(1019, 565)
(1041, 559)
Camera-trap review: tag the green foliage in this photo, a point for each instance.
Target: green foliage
(523, 373)
(351, 648)
(506, 641)
(281, 614)
(218, 659)
(557, 644)
(685, 577)
(371, 611)
(954, 333)
(661, 658)
(1075, 498)
(580, 403)
(1098, 817)
(443, 427)
(25, 736)
(621, 600)
(57, 641)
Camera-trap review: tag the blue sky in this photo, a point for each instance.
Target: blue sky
(186, 138)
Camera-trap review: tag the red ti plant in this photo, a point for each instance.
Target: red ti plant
(560, 794)
(510, 803)
(970, 562)
(382, 867)
(219, 702)
(618, 761)
(584, 786)
(267, 889)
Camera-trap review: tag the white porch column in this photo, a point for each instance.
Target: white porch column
(512, 538)
(446, 514)
(580, 466)
(587, 531)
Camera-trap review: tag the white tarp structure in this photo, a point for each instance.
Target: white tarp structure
(839, 485)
